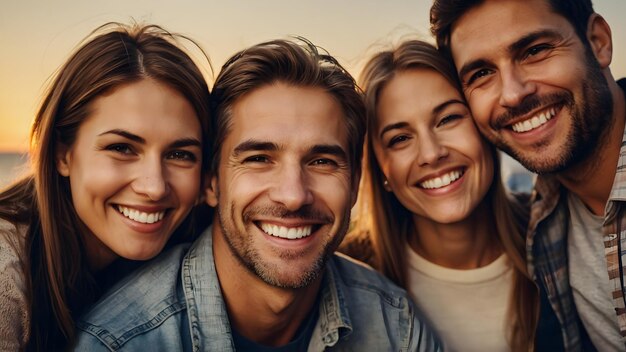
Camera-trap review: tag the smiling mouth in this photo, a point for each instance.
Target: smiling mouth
(443, 180)
(290, 233)
(140, 216)
(536, 121)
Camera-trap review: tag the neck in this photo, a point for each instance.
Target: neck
(592, 179)
(467, 244)
(260, 312)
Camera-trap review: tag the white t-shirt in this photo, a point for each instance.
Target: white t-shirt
(467, 307)
(589, 277)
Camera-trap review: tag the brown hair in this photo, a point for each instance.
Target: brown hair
(291, 63)
(391, 224)
(60, 283)
(445, 13)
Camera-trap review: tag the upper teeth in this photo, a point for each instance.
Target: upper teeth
(286, 232)
(534, 122)
(140, 216)
(442, 181)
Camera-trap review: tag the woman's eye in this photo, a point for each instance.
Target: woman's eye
(397, 139)
(182, 155)
(448, 119)
(120, 148)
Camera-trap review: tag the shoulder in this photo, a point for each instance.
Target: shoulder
(358, 245)
(378, 307)
(14, 327)
(146, 300)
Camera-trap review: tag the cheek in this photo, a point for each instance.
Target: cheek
(186, 185)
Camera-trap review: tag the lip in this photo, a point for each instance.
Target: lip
(453, 186)
(543, 132)
(537, 112)
(440, 173)
(291, 243)
(140, 226)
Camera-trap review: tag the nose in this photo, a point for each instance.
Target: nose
(152, 180)
(515, 87)
(431, 150)
(291, 188)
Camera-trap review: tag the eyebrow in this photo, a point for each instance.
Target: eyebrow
(330, 149)
(513, 48)
(252, 145)
(439, 108)
(436, 110)
(392, 126)
(179, 143)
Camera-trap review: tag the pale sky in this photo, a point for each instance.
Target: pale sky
(38, 36)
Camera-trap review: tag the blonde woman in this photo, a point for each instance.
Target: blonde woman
(434, 215)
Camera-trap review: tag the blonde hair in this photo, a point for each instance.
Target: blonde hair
(389, 224)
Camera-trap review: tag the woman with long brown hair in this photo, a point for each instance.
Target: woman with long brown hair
(434, 215)
(118, 153)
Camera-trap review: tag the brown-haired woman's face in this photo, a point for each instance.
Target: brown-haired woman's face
(134, 170)
(428, 147)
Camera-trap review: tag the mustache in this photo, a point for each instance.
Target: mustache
(531, 103)
(308, 213)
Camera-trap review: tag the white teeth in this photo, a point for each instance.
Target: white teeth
(534, 122)
(287, 232)
(442, 181)
(139, 216)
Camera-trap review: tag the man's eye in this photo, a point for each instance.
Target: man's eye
(324, 162)
(256, 159)
(478, 74)
(537, 50)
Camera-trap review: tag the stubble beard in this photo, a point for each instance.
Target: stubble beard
(591, 123)
(242, 248)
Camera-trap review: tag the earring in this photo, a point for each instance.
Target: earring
(386, 185)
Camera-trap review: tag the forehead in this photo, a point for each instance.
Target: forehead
(147, 107)
(414, 91)
(488, 28)
(288, 115)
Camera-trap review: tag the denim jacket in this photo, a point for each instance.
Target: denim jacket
(175, 304)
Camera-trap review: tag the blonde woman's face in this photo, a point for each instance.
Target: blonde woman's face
(429, 149)
(134, 170)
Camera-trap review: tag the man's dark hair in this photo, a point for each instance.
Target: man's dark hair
(300, 64)
(445, 13)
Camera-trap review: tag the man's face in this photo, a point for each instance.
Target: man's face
(534, 89)
(284, 188)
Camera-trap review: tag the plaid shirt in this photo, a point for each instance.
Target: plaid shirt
(547, 247)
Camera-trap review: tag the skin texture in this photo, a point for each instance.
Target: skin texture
(424, 132)
(283, 162)
(535, 65)
(140, 148)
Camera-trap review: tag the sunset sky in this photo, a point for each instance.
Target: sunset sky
(38, 36)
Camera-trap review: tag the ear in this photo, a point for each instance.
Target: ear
(63, 158)
(211, 192)
(600, 39)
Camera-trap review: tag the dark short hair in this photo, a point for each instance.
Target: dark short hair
(295, 63)
(445, 13)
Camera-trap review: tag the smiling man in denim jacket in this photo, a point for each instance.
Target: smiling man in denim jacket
(286, 166)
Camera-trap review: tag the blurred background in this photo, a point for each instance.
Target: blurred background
(38, 36)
